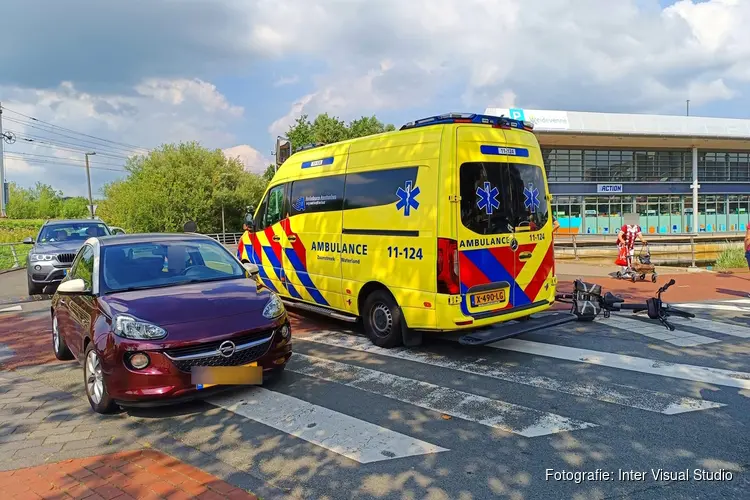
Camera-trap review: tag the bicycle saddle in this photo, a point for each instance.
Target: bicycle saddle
(610, 299)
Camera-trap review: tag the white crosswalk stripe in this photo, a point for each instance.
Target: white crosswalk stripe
(656, 331)
(695, 373)
(713, 307)
(641, 399)
(717, 327)
(367, 439)
(508, 417)
(348, 436)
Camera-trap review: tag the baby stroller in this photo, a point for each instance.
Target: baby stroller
(640, 269)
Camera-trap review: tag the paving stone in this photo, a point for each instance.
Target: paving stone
(67, 437)
(37, 451)
(17, 445)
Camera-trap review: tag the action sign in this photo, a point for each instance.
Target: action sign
(609, 188)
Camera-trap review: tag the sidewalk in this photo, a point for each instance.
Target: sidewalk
(53, 446)
(690, 286)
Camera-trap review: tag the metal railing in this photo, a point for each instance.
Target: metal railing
(226, 238)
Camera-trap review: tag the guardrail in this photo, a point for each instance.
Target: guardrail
(226, 238)
(675, 249)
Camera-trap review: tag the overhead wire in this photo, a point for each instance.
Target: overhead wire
(40, 141)
(33, 161)
(51, 125)
(76, 160)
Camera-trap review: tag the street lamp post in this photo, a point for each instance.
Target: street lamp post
(88, 178)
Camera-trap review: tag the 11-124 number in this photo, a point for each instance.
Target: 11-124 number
(405, 253)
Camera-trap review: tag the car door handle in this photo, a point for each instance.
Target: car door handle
(277, 238)
(292, 238)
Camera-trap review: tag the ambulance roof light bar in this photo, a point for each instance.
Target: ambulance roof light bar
(496, 121)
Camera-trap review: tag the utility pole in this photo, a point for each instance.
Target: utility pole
(88, 178)
(3, 201)
(687, 112)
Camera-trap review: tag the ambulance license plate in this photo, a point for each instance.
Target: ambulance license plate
(489, 298)
(209, 376)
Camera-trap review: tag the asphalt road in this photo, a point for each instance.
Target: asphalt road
(521, 419)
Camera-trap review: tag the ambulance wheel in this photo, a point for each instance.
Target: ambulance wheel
(382, 319)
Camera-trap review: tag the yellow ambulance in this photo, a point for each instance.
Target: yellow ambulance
(443, 225)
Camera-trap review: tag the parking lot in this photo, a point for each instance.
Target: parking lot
(570, 412)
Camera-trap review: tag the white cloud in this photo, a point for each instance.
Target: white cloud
(599, 55)
(253, 160)
(155, 112)
(291, 80)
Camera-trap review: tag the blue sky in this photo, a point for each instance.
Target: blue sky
(232, 74)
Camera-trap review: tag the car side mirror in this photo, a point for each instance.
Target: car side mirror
(72, 287)
(28, 240)
(251, 268)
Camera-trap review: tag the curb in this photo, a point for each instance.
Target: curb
(5, 271)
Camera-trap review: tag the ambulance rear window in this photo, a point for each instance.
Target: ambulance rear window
(499, 197)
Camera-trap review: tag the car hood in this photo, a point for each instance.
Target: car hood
(58, 247)
(189, 303)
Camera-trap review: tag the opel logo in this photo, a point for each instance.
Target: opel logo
(226, 349)
(514, 244)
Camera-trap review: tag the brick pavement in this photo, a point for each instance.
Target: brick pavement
(141, 474)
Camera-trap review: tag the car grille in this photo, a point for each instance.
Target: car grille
(238, 358)
(65, 258)
(207, 347)
(185, 358)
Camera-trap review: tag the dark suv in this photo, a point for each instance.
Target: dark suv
(55, 248)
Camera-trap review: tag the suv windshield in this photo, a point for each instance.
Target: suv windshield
(501, 198)
(72, 231)
(166, 263)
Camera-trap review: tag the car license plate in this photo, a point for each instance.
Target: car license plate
(209, 376)
(489, 298)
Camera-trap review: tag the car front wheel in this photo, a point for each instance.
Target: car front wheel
(33, 288)
(93, 379)
(58, 343)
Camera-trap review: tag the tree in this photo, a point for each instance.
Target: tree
(326, 129)
(43, 202)
(177, 183)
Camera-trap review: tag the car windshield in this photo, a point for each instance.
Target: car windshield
(72, 231)
(132, 266)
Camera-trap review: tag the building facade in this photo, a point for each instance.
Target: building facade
(601, 166)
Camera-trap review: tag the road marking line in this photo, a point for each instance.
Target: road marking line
(717, 307)
(11, 309)
(656, 331)
(351, 437)
(695, 373)
(719, 327)
(641, 399)
(508, 417)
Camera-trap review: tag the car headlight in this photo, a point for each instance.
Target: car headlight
(274, 308)
(38, 257)
(133, 328)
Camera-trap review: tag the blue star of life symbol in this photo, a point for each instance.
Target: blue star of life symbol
(532, 198)
(488, 198)
(299, 204)
(407, 198)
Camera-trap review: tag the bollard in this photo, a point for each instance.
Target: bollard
(575, 247)
(692, 250)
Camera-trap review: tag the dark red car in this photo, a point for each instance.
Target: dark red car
(144, 312)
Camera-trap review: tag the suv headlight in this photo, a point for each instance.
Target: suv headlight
(274, 308)
(38, 257)
(133, 328)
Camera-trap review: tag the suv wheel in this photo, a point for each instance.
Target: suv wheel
(34, 289)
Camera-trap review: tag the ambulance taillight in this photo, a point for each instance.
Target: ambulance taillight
(447, 266)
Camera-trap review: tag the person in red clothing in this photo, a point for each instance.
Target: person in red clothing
(626, 237)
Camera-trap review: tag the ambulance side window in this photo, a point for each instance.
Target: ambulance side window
(272, 208)
(322, 194)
